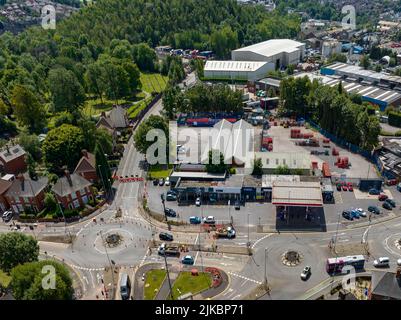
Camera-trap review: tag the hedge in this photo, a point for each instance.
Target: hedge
(394, 119)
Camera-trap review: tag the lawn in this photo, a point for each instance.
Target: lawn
(155, 279)
(158, 171)
(4, 279)
(153, 82)
(95, 107)
(186, 283)
(134, 110)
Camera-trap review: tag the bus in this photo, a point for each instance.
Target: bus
(335, 265)
(125, 286)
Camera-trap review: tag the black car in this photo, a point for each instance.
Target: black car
(387, 205)
(170, 212)
(348, 215)
(171, 196)
(374, 209)
(155, 182)
(164, 236)
(391, 202)
(237, 205)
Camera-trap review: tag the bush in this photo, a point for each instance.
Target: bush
(398, 133)
(25, 216)
(233, 171)
(69, 213)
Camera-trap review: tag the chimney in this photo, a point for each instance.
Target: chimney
(68, 176)
(21, 178)
(8, 149)
(85, 153)
(103, 114)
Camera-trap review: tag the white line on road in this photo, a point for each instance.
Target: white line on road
(236, 297)
(365, 234)
(245, 278)
(261, 239)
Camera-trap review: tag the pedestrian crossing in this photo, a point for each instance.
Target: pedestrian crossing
(242, 277)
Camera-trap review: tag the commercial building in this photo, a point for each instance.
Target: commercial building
(297, 194)
(294, 161)
(389, 158)
(236, 70)
(330, 47)
(279, 52)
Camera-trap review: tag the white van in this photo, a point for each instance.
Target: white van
(382, 262)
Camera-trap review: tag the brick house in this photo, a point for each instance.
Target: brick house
(385, 285)
(114, 122)
(12, 159)
(73, 191)
(25, 193)
(86, 166)
(4, 186)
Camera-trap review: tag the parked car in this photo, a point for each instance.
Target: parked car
(391, 202)
(170, 212)
(194, 220)
(383, 197)
(350, 187)
(209, 220)
(198, 202)
(237, 205)
(171, 196)
(339, 186)
(345, 187)
(382, 262)
(387, 206)
(374, 191)
(167, 182)
(355, 214)
(155, 182)
(374, 209)
(161, 182)
(362, 212)
(306, 273)
(399, 262)
(348, 215)
(7, 216)
(166, 236)
(188, 260)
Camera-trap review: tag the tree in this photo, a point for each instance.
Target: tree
(172, 101)
(144, 57)
(337, 57)
(365, 62)
(93, 78)
(30, 143)
(63, 146)
(102, 167)
(257, 167)
(378, 68)
(17, 248)
(27, 281)
(153, 122)
(27, 108)
(223, 40)
(66, 91)
(212, 166)
(31, 166)
(50, 202)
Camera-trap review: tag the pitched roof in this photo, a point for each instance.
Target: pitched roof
(27, 187)
(4, 185)
(11, 153)
(86, 164)
(386, 284)
(116, 118)
(63, 188)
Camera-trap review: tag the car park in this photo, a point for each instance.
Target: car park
(387, 206)
(161, 182)
(345, 188)
(374, 209)
(382, 262)
(164, 236)
(382, 197)
(306, 272)
(374, 191)
(170, 212)
(7, 216)
(198, 202)
(195, 220)
(391, 202)
(361, 212)
(188, 260)
(209, 220)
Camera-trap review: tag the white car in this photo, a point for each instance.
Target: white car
(306, 273)
(382, 262)
(167, 182)
(198, 202)
(399, 262)
(7, 216)
(209, 220)
(362, 212)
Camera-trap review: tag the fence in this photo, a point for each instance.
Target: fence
(140, 116)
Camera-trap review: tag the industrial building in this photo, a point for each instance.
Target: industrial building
(330, 47)
(280, 52)
(294, 161)
(389, 158)
(236, 70)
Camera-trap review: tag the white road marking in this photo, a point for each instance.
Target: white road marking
(365, 234)
(228, 291)
(261, 239)
(93, 280)
(236, 297)
(242, 277)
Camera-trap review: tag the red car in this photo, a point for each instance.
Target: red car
(350, 188)
(345, 188)
(382, 197)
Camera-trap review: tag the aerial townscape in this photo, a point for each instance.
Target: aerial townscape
(223, 150)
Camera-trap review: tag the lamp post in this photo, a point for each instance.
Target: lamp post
(248, 243)
(65, 221)
(111, 263)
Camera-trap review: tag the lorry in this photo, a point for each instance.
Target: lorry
(168, 250)
(228, 232)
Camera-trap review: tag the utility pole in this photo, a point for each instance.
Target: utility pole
(164, 206)
(265, 282)
(101, 177)
(168, 276)
(108, 258)
(65, 221)
(248, 243)
(229, 210)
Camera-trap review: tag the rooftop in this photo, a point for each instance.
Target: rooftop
(297, 194)
(272, 47)
(218, 65)
(12, 152)
(269, 179)
(64, 187)
(386, 284)
(24, 187)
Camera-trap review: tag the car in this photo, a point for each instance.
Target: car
(399, 262)
(374, 191)
(171, 197)
(161, 182)
(209, 220)
(170, 212)
(188, 260)
(237, 205)
(306, 273)
(382, 197)
(348, 215)
(391, 202)
(195, 220)
(143, 277)
(374, 209)
(167, 182)
(350, 187)
(362, 212)
(164, 236)
(339, 187)
(198, 202)
(387, 206)
(382, 262)
(155, 182)
(355, 214)
(7, 216)
(345, 188)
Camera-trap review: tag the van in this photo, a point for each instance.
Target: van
(125, 286)
(382, 262)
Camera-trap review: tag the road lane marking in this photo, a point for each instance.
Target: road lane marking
(237, 296)
(261, 239)
(242, 277)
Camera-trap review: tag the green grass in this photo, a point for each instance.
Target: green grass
(155, 279)
(186, 282)
(160, 171)
(134, 110)
(95, 107)
(153, 82)
(4, 279)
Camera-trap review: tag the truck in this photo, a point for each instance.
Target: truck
(168, 250)
(228, 232)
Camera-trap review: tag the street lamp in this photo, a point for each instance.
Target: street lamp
(248, 243)
(111, 262)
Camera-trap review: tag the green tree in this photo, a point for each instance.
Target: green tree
(50, 202)
(27, 281)
(337, 57)
(27, 108)
(31, 144)
(153, 122)
(257, 167)
(17, 248)
(365, 62)
(31, 166)
(144, 57)
(102, 167)
(60, 142)
(212, 166)
(172, 101)
(93, 80)
(223, 40)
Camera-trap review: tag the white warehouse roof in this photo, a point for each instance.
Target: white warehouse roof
(273, 47)
(218, 65)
